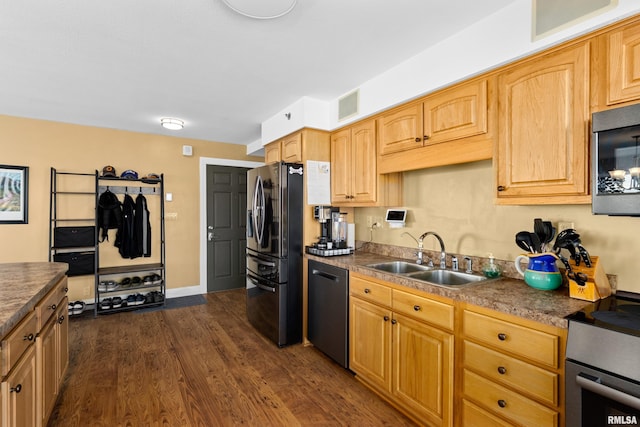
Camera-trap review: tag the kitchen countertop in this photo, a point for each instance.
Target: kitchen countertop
(22, 286)
(511, 296)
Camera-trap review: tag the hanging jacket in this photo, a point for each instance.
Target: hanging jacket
(126, 238)
(109, 213)
(142, 227)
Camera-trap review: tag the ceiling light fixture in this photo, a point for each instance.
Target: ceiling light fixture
(171, 124)
(260, 9)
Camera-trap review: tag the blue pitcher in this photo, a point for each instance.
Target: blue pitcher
(542, 271)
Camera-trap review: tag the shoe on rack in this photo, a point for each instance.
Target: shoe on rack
(158, 296)
(136, 281)
(111, 285)
(78, 307)
(125, 283)
(70, 308)
(131, 300)
(147, 280)
(116, 302)
(140, 299)
(156, 279)
(102, 286)
(105, 304)
(148, 298)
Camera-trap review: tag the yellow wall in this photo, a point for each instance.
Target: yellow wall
(458, 203)
(41, 145)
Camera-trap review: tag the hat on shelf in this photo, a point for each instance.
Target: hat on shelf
(109, 171)
(129, 174)
(151, 177)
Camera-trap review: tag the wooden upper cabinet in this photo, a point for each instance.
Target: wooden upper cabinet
(272, 152)
(543, 139)
(291, 148)
(623, 65)
(459, 112)
(354, 176)
(455, 113)
(401, 129)
(288, 149)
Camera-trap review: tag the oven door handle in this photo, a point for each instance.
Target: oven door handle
(585, 381)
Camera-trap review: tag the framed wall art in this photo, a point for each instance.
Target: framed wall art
(14, 195)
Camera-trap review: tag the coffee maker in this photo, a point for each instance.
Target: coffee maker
(333, 232)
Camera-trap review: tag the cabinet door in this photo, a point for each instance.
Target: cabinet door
(370, 343)
(457, 113)
(19, 391)
(62, 341)
(543, 129)
(47, 368)
(341, 172)
(364, 175)
(624, 65)
(401, 129)
(292, 148)
(423, 369)
(272, 152)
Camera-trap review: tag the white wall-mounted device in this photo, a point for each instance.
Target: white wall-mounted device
(396, 217)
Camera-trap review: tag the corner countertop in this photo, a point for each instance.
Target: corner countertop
(511, 296)
(22, 286)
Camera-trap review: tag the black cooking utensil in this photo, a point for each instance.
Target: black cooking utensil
(550, 231)
(536, 244)
(523, 240)
(579, 278)
(541, 231)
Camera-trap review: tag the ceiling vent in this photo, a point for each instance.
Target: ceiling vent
(348, 105)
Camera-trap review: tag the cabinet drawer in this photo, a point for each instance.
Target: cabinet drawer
(509, 371)
(48, 305)
(504, 336)
(17, 342)
(422, 308)
(478, 417)
(370, 291)
(507, 403)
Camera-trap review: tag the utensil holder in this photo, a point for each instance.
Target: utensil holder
(597, 285)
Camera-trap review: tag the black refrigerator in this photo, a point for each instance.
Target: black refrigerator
(274, 251)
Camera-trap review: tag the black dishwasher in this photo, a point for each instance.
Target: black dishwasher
(329, 310)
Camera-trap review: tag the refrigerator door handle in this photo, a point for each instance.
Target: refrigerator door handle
(256, 282)
(260, 261)
(258, 210)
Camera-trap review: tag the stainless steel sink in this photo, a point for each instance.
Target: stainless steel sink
(399, 267)
(447, 277)
(441, 277)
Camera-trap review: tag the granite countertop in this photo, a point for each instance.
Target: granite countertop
(507, 295)
(22, 286)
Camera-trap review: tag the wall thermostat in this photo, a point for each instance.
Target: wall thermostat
(396, 217)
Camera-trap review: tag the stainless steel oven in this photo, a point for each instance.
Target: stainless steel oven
(603, 363)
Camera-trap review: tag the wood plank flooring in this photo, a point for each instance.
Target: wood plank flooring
(204, 366)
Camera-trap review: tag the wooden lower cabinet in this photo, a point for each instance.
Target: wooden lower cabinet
(510, 370)
(406, 360)
(36, 353)
(19, 392)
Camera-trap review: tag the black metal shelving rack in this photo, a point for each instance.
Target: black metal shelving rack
(147, 187)
(154, 187)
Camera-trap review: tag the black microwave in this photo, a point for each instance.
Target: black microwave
(615, 154)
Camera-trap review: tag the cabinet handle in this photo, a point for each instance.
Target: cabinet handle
(61, 319)
(416, 307)
(394, 321)
(501, 188)
(16, 389)
(367, 290)
(502, 403)
(502, 370)
(53, 306)
(386, 318)
(29, 337)
(65, 290)
(502, 337)
(418, 139)
(426, 137)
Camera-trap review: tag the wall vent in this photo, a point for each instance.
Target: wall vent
(348, 105)
(550, 16)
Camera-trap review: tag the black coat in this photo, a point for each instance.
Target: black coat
(126, 237)
(142, 227)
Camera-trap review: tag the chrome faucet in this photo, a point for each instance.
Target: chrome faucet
(419, 254)
(469, 263)
(443, 254)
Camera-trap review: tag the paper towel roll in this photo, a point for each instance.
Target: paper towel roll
(351, 235)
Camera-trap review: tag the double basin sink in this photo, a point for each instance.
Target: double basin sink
(435, 276)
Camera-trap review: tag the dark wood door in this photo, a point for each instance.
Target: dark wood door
(226, 227)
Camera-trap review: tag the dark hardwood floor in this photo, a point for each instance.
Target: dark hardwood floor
(204, 365)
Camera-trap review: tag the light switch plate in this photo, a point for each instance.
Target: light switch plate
(187, 150)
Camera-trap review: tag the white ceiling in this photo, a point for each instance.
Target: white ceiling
(123, 64)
